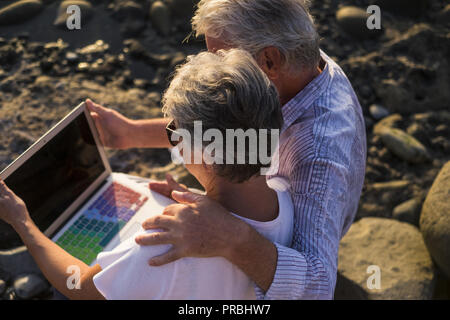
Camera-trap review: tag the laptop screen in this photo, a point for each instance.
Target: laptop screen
(56, 175)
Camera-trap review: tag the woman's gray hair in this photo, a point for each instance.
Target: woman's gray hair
(226, 90)
(256, 24)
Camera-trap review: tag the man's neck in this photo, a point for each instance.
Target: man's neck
(252, 199)
(291, 84)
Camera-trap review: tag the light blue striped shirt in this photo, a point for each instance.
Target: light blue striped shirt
(322, 156)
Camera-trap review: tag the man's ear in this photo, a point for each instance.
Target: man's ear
(271, 61)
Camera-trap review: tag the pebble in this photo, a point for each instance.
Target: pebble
(98, 47)
(408, 211)
(2, 286)
(83, 66)
(71, 56)
(177, 59)
(133, 27)
(378, 112)
(390, 185)
(19, 11)
(160, 16)
(444, 15)
(181, 8)
(390, 122)
(404, 146)
(353, 20)
(128, 10)
(29, 286)
(10, 294)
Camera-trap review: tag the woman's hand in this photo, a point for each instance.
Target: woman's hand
(115, 130)
(12, 209)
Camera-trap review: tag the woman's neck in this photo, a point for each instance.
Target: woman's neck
(252, 199)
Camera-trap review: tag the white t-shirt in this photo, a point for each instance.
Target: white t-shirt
(126, 274)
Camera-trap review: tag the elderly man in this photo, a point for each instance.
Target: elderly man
(322, 154)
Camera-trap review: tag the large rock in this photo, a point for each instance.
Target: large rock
(408, 211)
(397, 248)
(403, 145)
(353, 20)
(435, 220)
(30, 286)
(19, 11)
(62, 15)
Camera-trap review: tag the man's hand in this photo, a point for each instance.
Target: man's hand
(196, 227)
(114, 129)
(12, 209)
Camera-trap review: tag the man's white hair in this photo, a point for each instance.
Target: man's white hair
(253, 25)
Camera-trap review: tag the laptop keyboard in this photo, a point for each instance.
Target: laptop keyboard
(101, 222)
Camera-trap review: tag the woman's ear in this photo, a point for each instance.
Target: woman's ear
(270, 60)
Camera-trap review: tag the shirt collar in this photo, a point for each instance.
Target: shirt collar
(295, 107)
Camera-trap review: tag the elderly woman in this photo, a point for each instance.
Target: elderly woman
(322, 153)
(222, 91)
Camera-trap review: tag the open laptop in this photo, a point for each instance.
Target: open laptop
(73, 197)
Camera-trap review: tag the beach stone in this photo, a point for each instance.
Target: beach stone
(394, 185)
(178, 58)
(61, 17)
(29, 286)
(403, 145)
(435, 220)
(353, 20)
(98, 48)
(408, 211)
(71, 56)
(128, 10)
(182, 8)
(17, 261)
(390, 122)
(19, 11)
(9, 294)
(378, 112)
(397, 248)
(368, 122)
(411, 8)
(160, 16)
(133, 27)
(2, 286)
(444, 15)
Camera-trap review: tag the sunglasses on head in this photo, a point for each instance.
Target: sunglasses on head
(171, 130)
